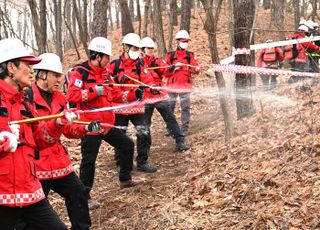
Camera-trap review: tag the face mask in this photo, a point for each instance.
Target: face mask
(134, 55)
(183, 45)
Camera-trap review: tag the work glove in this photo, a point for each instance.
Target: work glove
(171, 67)
(100, 89)
(154, 91)
(94, 126)
(139, 94)
(15, 129)
(8, 142)
(68, 117)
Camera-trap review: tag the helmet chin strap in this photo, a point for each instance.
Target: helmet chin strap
(16, 81)
(45, 80)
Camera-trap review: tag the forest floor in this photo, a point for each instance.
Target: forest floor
(266, 177)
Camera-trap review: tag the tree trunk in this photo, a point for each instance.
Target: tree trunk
(80, 25)
(296, 7)
(186, 15)
(58, 23)
(138, 17)
(211, 28)
(110, 17)
(278, 17)
(43, 22)
(157, 24)
(172, 15)
(243, 18)
(266, 4)
(36, 24)
(145, 18)
(231, 25)
(100, 15)
(131, 9)
(117, 14)
(85, 25)
(126, 22)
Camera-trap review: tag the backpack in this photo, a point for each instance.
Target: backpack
(117, 69)
(270, 55)
(291, 52)
(172, 58)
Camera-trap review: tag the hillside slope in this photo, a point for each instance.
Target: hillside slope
(267, 177)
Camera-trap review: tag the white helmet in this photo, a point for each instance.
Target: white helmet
(303, 28)
(147, 42)
(309, 24)
(13, 48)
(50, 62)
(182, 34)
(315, 25)
(131, 39)
(100, 45)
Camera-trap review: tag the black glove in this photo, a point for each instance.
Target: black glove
(94, 126)
(116, 78)
(154, 91)
(139, 94)
(122, 79)
(172, 67)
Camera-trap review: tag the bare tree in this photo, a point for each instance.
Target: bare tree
(172, 15)
(266, 4)
(211, 28)
(37, 28)
(83, 34)
(43, 21)
(58, 23)
(131, 9)
(296, 11)
(186, 15)
(117, 14)
(278, 16)
(84, 37)
(126, 22)
(159, 29)
(145, 17)
(110, 17)
(99, 28)
(243, 20)
(138, 16)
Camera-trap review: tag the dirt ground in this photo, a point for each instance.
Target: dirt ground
(266, 177)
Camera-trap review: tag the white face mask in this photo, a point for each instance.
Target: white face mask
(183, 45)
(134, 55)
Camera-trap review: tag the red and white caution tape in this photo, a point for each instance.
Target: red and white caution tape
(257, 70)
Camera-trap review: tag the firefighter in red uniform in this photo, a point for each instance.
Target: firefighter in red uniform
(86, 89)
(180, 77)
(21, 195)
(54, 168)
(129, 65)
(159, 99)
(298, 62)
(269, 58)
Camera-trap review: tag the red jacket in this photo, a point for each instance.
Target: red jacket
(130, 68)
(86, 97)
(54, 162)
(180, 81)
(19, 185)
(157, 75)
(302, 56)
(261, 61)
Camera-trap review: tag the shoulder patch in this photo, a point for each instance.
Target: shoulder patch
(78, 83)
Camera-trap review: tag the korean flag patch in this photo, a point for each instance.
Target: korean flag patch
(78, 83)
